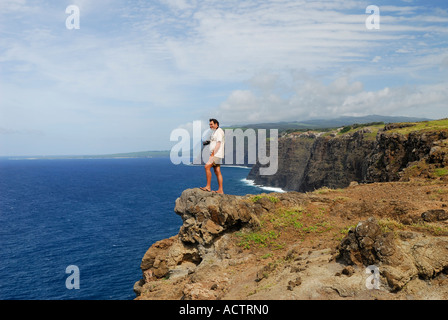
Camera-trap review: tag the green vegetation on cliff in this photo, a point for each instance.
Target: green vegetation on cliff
(423, 126)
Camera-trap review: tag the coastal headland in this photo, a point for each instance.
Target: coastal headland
(379, 234)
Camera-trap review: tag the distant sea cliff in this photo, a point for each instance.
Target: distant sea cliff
(364, 154)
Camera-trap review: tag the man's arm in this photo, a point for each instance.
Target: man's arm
(218, 145)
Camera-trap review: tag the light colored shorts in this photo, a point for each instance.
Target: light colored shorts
(216, 162)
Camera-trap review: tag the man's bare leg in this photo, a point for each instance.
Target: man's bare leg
(218, 174)
(208, 175)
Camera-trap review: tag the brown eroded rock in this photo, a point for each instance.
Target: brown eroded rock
(207, 215)
(435, 215)
(399, 261)
(166, 254)
(282, 245)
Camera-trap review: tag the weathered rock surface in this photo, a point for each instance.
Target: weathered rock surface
(400, 258)
(309, 259)
(289, 245)
(293, 157)
(393, 152)
(307, 163)
(435, 215)
(208, 215)
(206, 218)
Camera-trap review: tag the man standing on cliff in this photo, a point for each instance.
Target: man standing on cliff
(217, 141)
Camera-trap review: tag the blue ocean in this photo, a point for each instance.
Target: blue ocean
(100, 215)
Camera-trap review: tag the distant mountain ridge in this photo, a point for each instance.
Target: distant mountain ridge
(313, 124)
(328, 123)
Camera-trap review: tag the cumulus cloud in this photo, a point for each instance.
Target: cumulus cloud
(311, 98)
(139, 68)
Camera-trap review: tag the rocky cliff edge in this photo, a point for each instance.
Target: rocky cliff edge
(367, 154)
(368, 241)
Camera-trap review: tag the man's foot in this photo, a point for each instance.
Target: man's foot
(205, 189)
(218, 191)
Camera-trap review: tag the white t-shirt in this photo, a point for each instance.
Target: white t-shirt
(217, 136)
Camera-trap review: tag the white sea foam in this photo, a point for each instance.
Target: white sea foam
(252, 183)
(235, 166)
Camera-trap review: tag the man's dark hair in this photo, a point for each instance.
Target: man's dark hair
(214, 121)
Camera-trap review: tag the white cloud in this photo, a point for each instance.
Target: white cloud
(415, 100)
(139, 68)
(312, 98)
(8, 6)
(400, 9)
(180, 5)
(227, 44)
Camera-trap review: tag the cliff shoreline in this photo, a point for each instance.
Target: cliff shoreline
(311, 160)
(305, 245)
(318, 244)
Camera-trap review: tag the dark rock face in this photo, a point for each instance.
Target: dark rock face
(293, 157)
(393, 152)
(399, 258)
(335, 162)
(308, 162)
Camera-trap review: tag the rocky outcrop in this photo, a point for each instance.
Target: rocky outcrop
(288, 245)
(207, 217)
(309, 162)
(394, 152)
(399, 258)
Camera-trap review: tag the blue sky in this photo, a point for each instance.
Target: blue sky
(137, 70)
